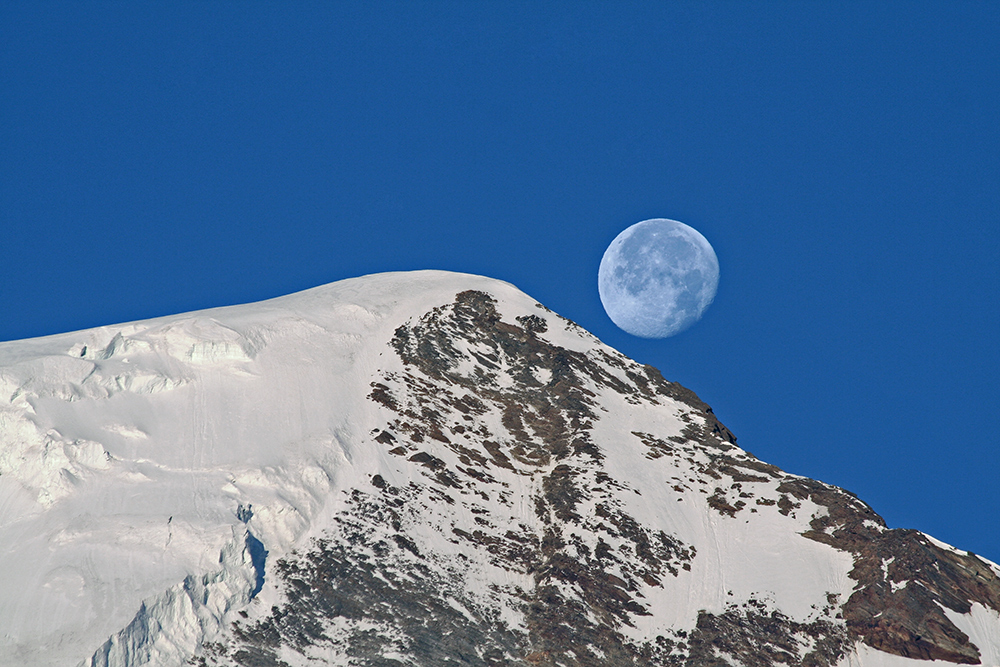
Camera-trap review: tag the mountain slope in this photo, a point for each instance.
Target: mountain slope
(429, 469)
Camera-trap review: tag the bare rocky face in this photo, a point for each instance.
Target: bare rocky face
(496, 425)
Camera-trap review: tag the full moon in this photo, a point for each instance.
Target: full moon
(657, 278)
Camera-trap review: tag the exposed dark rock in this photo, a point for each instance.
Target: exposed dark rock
(718, 502)
(904, 580)
(752, 635)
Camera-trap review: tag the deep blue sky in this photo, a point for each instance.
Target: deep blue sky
(842, 158)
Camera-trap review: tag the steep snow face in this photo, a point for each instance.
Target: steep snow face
(427, 468)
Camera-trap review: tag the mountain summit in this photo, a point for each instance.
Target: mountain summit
(429, 469)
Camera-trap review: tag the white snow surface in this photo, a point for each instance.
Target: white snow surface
(126, 452)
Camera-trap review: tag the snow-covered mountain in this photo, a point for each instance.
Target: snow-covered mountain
(429, 469)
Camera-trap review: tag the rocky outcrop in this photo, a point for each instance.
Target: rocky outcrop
(905, 581)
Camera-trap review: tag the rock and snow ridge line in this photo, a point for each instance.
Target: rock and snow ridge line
(439, 469)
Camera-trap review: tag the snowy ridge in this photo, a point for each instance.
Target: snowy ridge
(422, 469)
